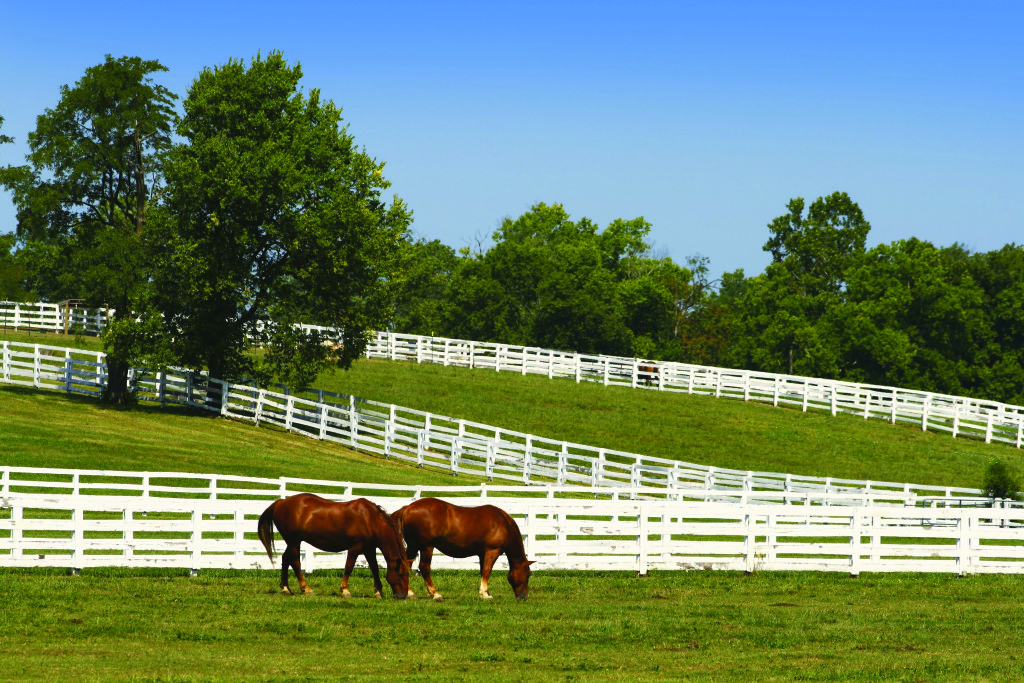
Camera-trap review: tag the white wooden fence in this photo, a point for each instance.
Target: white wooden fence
(80, 531)
(957, 415)
(427, 440)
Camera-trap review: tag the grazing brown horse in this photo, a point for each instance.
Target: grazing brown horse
(648, 373)
(484, 531)
(335, 527)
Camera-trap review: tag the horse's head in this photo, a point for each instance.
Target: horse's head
(519, 579)
(397, 576)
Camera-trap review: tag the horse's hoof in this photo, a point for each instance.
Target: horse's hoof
(377, 595)
(486, 596)
(346, 594)
(308, 591)
(411, 595)
(285, 590)
(437, 597)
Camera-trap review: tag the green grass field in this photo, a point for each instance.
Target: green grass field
(598, 626)
(159, 625)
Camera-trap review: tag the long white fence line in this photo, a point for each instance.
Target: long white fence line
(959, 416)
(91, 531)
(205, 486)
(956, 415)
(421, 438)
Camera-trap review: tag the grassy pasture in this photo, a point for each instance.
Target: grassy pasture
(117, 624)
(598, 626)
(700, 429)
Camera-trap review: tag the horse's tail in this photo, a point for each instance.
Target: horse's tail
(266, 530)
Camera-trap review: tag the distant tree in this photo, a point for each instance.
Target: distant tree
(1001, 481)
(423, 300)
(93, 178)
(785, 311)
(274, 218)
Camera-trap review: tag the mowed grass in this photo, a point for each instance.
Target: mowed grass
(701, 429)
(43, 428)
(576, 626)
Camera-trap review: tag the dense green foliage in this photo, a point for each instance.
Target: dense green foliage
(907, 314)
(1001, 481)
(276, 219)
(92, 180)
(264, 214)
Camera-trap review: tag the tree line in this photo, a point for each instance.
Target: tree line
(213, 227)
(907, 314)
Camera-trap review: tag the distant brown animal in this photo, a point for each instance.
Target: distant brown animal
(485, 531)
(335, 527)
(648, 373)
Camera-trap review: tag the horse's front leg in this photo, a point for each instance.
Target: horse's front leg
(350, 563)
(425, 556)
(371, 559)
(487, 561)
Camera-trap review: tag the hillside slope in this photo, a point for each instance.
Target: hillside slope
(699, 429)
(42, 428)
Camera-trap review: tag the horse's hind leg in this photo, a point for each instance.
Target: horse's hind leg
(487, 561)
(291, 558)
(425, 556)
(371, 559)
(350, 563)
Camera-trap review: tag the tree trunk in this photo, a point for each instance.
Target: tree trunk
(117, 390)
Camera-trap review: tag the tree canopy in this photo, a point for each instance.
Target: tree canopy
(274, 218)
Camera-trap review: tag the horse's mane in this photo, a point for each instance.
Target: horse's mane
(395, 526)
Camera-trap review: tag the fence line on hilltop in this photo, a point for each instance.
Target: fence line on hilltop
(957, 415)
(82, 531)
(422, 438)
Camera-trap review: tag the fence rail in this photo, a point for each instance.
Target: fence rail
(90, 531)
(424, 439)
(959, 416)
(956, 415)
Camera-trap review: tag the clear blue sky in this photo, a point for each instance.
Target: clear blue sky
(705, 118)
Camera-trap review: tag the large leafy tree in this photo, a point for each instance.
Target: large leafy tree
(84, 198)
(785, 311)
(274, 218)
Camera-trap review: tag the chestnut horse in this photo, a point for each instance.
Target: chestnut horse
(484, 531)
(335, 527)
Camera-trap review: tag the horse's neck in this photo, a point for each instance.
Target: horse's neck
(515, 551)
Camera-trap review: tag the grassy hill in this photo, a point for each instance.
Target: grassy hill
(42, 428)
(701, 429)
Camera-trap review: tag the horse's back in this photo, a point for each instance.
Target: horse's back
(455, 530)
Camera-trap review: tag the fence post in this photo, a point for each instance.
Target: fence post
(67, 370)
(855, 542)
(606, 372)
(924, 413)
(988, 429)
(643, 540)
(472, 350)
(353, 423)
(749, 530)
(832, 392)
(197, 537)
(746, 386)
(7, 361)
(963, 543)
(527, 454)
(576, 357)
(775, 399)
(162, 384)
(36, 369)
(323, 418)
(446, 343)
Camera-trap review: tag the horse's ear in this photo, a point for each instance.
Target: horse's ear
(531, 562)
